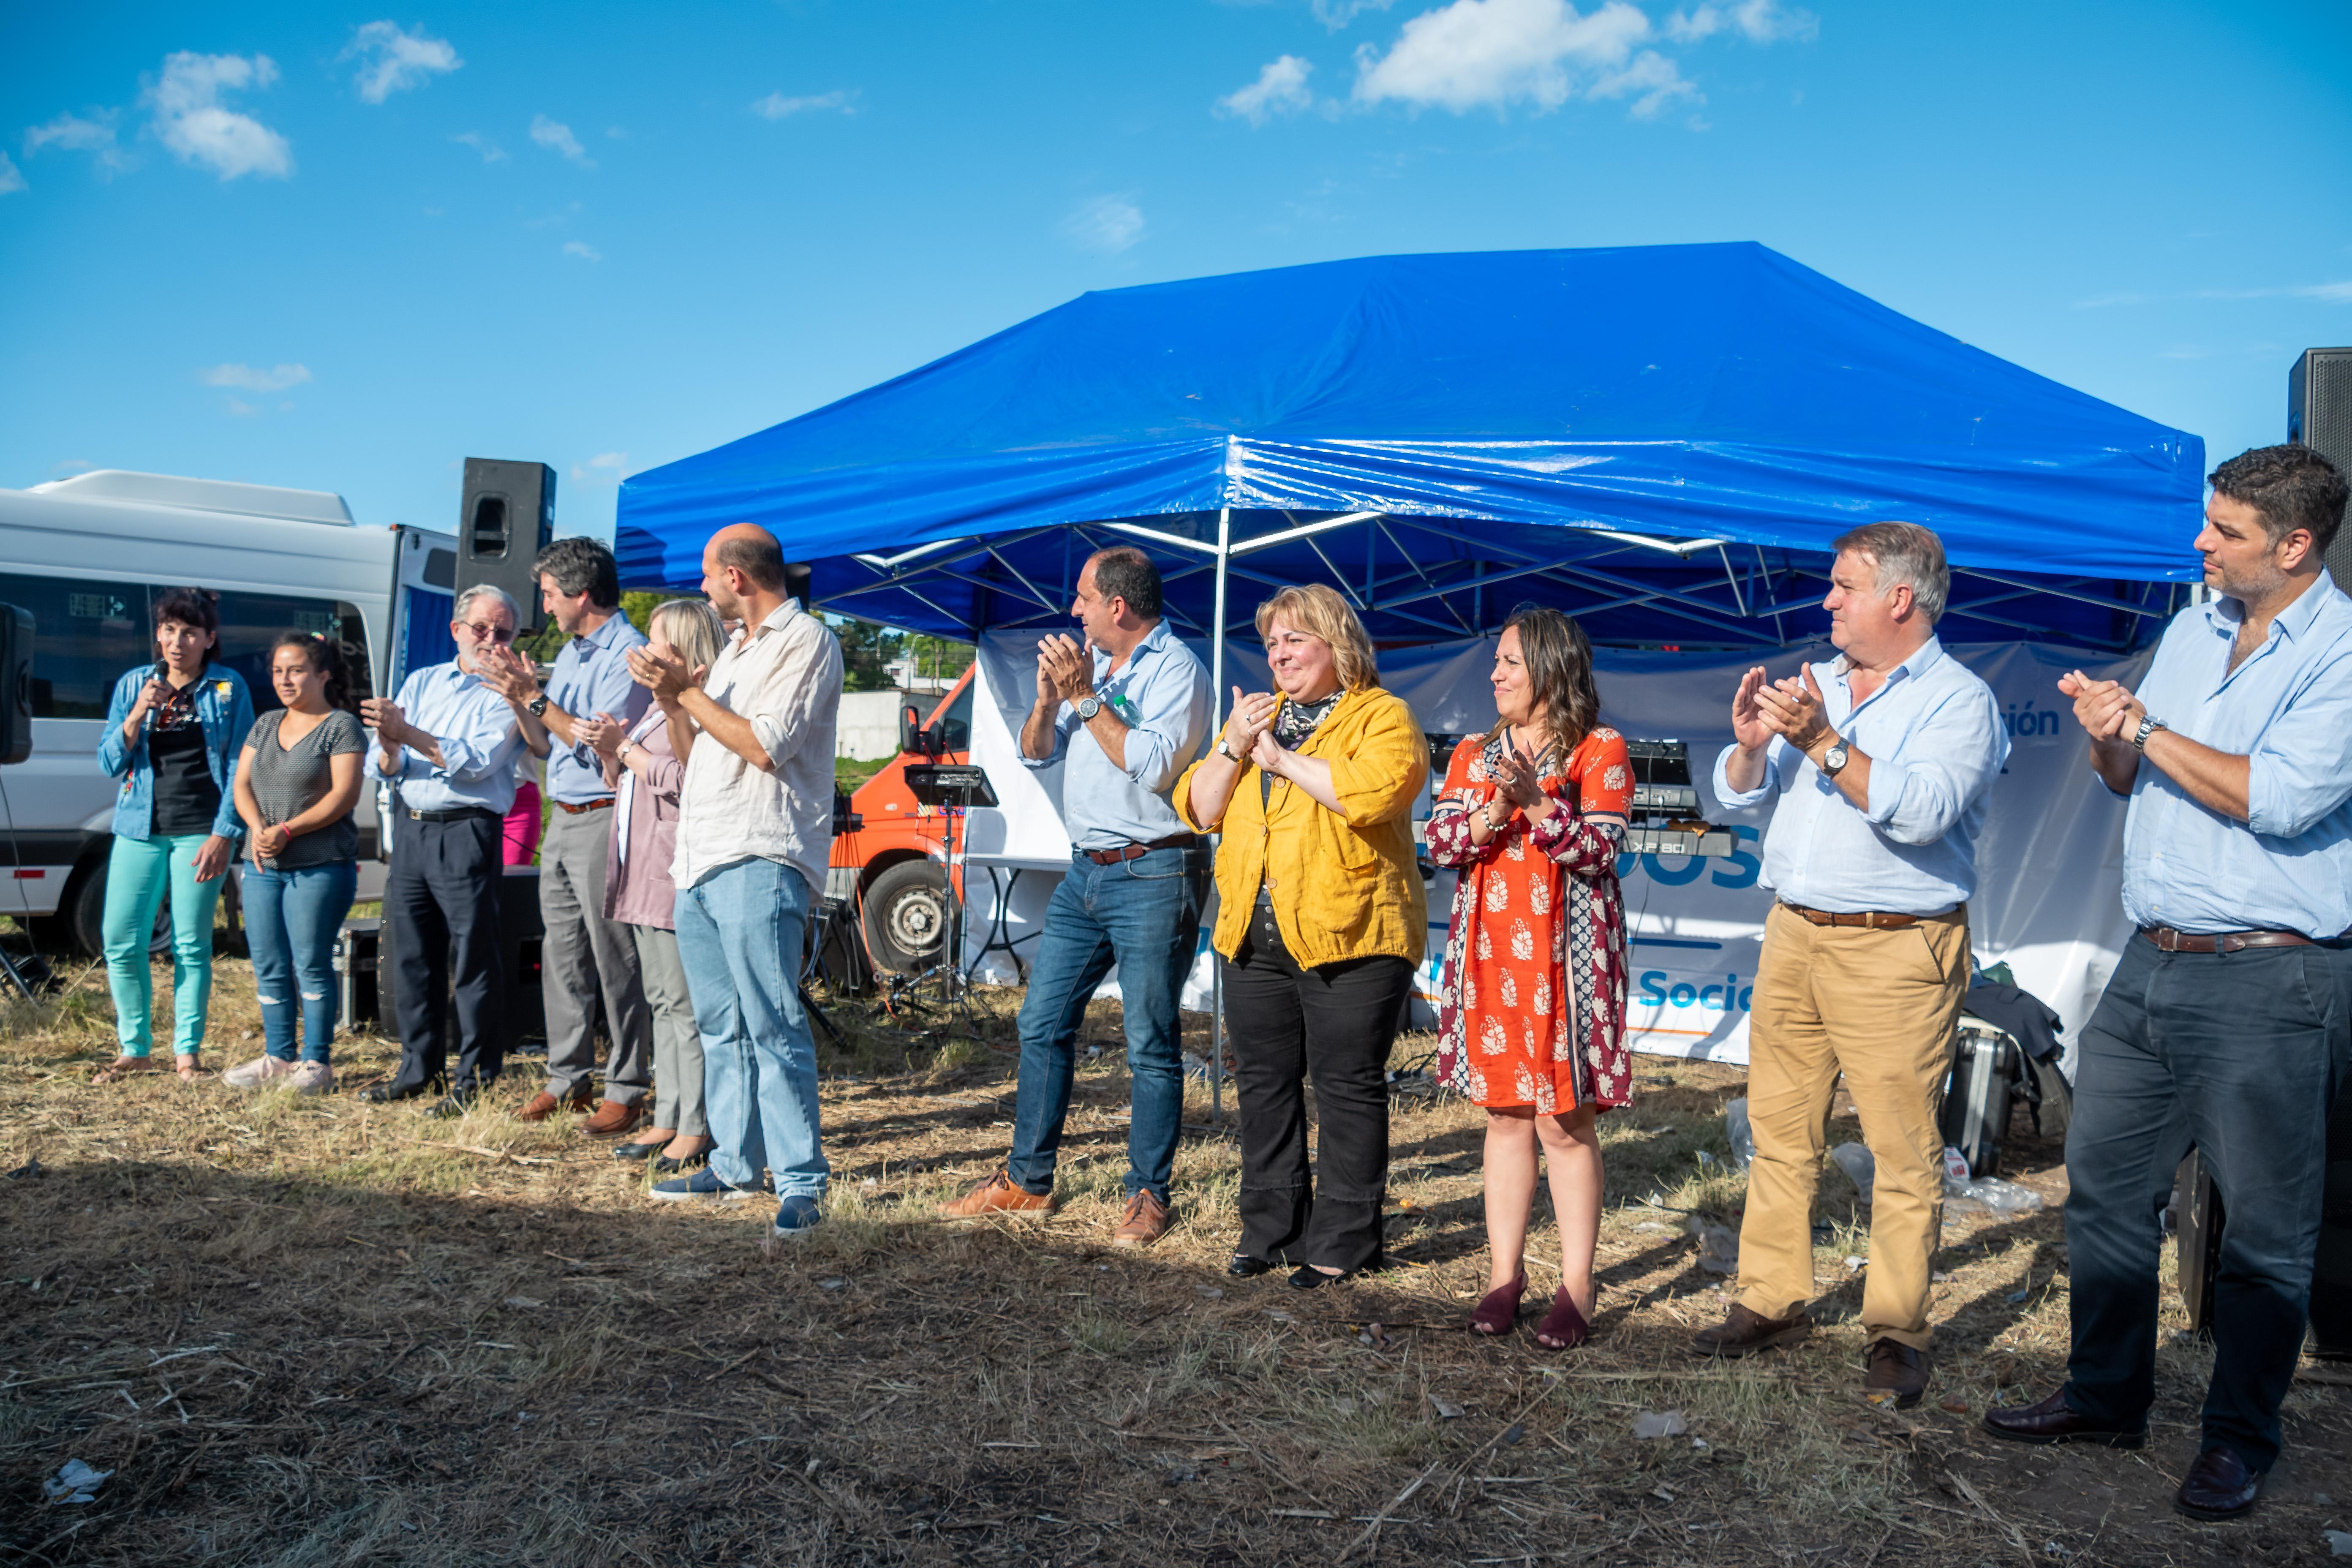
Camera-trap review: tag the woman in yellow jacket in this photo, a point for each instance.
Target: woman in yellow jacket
(1322, 921)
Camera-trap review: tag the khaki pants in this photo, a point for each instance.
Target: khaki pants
(1878, 1007)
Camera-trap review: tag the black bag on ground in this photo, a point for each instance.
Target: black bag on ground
(1986, 1063)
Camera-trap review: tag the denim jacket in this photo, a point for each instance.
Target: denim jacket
(225, 710)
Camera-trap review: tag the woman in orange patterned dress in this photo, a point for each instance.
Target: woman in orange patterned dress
(1532, 1023)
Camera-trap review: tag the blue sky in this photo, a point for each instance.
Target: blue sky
(344, 249)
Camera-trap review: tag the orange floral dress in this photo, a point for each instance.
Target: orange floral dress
(1533, 991)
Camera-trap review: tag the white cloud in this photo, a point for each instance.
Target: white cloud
(1336, 14)
(1479, 54)
(582, 249)
(12, 179)
(604, 468)
(393, 60)
(241, 408)
(191, 122)
(556, 137)
(776, 106)
(1651, 80)
(93, 134)
(253, 378)
(1760, 21)
(1280, 89)
(491, 151)
(1107, 224)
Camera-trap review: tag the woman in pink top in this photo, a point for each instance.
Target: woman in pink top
(645, 773)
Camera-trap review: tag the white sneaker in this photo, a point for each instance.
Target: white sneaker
(310, 1077)
(258, 1073)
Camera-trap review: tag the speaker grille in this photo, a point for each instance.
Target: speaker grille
(2319, 416)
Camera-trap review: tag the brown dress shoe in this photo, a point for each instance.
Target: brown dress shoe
(1000, 1195)
(1743, 1332)
(1893, 1369)
(542, 1105)
(2055, 1421)
(2218, 1486)
(1145, 1222)
(613, 1119)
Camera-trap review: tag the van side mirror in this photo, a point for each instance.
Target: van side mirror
(910, 730)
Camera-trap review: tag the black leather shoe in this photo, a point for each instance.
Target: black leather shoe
(2055, 1421)
(1243, 1267)
(390, 1093)
(639, 1150)
(1893, 1370)
(1307, 1277)
(453, 1104)
(2218, 1486)
(665, 1166)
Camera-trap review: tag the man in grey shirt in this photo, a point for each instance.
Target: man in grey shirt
(1124, 715)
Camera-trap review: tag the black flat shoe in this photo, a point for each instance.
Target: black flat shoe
(391, 1093)
(665, 1166)
(451, 1106)
(1245, 1266)
(1309, 1278)
(639, 1150)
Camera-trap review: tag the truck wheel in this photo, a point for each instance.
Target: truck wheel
(906, 917)
(83, 912)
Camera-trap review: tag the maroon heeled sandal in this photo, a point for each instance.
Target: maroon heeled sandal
(1563, 1328)
(1499, 1310)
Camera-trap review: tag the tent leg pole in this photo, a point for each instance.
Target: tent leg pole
(1216, 713)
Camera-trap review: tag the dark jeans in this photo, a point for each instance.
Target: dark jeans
(291, 920)
(1335, 1022)
(2239, 1056)
(1144, 915)
(441, 904)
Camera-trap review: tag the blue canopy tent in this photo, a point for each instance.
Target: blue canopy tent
(1662, 440)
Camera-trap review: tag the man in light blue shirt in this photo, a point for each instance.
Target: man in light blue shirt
(448, 743)
(1124, 715)
(1882, 760)
(583, 953)
(2225, 1027)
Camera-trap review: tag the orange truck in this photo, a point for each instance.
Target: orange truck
(890, 865)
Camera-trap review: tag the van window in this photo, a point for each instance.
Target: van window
(249, 623)
(85, 635)
(957, 722)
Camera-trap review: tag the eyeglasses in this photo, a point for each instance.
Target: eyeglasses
(487, 633)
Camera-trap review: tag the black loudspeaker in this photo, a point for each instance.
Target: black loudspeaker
(2319, 416)
(796, 583)
(16, 684)
(507, 519)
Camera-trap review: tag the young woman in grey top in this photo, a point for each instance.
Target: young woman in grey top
(297, 785)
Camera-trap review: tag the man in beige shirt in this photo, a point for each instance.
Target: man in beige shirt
(755, 831)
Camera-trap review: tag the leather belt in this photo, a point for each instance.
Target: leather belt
(1874, 918)
(465, 814)
(1136, 851)
(2171, 941)
(569, 809)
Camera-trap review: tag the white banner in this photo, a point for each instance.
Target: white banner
(2049, 877)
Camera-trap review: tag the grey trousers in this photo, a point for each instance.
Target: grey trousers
(584, 953)
(677, 1044)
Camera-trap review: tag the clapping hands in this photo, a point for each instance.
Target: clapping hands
(1792, 708)
(2106, 709)
(603, 734)
(1251, 718)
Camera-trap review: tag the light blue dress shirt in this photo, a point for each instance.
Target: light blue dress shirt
(1933, 738)
(1162, 696)
(592, 676)
(479, 737)
(2288, 710)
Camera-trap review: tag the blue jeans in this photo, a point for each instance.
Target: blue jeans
(1143, 915)
(137, 872)
(740, 930)
(291, 919)
(2239, 1054)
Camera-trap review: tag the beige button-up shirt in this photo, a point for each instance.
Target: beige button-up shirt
(785, 676)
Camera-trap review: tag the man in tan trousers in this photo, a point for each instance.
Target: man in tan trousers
(1882, 759)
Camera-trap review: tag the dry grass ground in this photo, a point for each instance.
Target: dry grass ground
(315, 1332)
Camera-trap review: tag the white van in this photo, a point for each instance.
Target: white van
(84, 555)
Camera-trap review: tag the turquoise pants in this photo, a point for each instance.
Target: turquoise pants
(137, 872)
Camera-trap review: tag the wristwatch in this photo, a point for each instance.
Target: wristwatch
(1226, 750)
(1834, 760)
(2149, 726)
(1088, 707)
(537, 706)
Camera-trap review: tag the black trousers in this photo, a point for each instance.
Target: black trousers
(1336, 1023)
(441, 903)
(2239, 1054)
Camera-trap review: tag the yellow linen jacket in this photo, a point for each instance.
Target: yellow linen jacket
(1342, 886)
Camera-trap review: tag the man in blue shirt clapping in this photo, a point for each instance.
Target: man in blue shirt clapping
(2225, 1024)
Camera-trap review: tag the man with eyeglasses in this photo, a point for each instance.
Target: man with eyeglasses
(447, 744)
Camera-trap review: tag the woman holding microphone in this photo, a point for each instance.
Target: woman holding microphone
(1533, 1021)
(1321, 921)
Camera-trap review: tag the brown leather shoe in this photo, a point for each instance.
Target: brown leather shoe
(2218, 1486)
(1743, 1332)
(542, 1105)
(613, 1119)
(2055, 1421)
(1145, 1222)
(1893, 1370)
(999, 1195)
